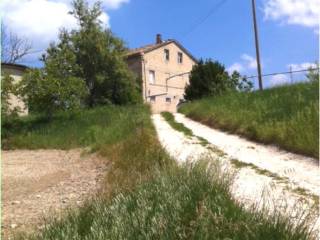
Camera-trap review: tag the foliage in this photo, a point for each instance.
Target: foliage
(188, 202)
(7, 90)
(313, 74)
(210, 78)
(66, 130)
(85, 68)
(13, 47)
(100, 55)
(287, 116)
(241, 84)
(46, 93)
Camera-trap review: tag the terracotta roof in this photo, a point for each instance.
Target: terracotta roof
(148, 48)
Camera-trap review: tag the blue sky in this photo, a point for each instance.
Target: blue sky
(288, 29)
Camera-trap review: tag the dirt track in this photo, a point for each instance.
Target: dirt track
(39, 183)
(261, 186)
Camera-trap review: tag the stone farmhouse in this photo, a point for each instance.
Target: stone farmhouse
(15, 71)
(164, 68)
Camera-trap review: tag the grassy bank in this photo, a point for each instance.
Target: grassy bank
(91, 127)
(146, 195)
(286, 116)
(180, 203)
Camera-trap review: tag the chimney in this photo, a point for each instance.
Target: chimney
(158, 39)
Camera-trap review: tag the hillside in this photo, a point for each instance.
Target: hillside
(144, 194)
(286, 116)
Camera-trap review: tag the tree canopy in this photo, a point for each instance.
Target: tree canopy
(209, 78)
(85, 67)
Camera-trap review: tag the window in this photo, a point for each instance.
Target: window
(168, 100)
(166, 54)
(152, 98)
(180, 57)
(152, 77)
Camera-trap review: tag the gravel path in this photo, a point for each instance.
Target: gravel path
(300, 170)
(40, 183)
(250, 186)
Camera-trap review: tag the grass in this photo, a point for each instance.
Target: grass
(145, 195)
(175, 125)
(92, 127)
(169, 117)
(287, 116)
(239, 164)
(181, 203)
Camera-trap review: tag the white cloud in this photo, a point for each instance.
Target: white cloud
(114, 4)
(235, 67)
(40, 20)
(246, 63)
(301, 66)
(250, 61)
(299, 12)
(279, 79)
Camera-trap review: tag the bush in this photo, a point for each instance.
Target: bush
(48, 94)
(211, 79)
(7, 90)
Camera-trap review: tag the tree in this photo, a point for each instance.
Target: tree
(99, 55)
(85, 68)
(13, 47)
(210, 78)
(7, 90)
(45, 93)
(313, 73)
(240, 83)
(56, 87)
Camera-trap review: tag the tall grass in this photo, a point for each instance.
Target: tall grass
(181, 203)
(287, 116)
(91, 127)
(145, 195)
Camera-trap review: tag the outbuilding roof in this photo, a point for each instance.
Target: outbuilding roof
(14, 65)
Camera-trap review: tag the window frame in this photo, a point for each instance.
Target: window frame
(152, 73)
(152, 99)
(166, 54)
(180, 54)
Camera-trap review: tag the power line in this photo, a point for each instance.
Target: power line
(202, 20)
(278, 73)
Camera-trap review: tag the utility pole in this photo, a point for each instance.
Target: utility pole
(257, 43)
(291, 76)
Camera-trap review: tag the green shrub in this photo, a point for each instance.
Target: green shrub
(209, 78)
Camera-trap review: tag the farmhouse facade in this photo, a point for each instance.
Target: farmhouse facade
(15, 71)
(164, 68)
